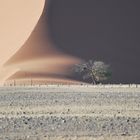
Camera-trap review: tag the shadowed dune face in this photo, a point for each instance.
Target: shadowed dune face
(102, 30)
(38, 56)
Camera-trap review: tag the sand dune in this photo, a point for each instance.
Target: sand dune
(39, 57)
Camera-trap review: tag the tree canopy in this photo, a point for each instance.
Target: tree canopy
(97, 71)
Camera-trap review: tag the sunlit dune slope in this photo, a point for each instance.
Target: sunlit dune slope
(17, 21)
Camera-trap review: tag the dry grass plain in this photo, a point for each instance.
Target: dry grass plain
(70, 112)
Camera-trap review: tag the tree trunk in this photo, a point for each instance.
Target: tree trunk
(93, 79)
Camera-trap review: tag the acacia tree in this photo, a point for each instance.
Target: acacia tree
(97, 71)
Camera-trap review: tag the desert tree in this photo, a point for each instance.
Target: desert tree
(97, 71)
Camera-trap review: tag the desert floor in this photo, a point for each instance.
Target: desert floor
(70, 112)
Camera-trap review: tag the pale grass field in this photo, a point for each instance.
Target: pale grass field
(70, 112)
(92, 138)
